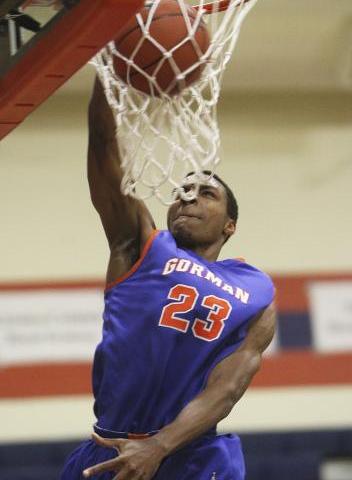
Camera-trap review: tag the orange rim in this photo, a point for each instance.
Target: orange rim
(221, 6)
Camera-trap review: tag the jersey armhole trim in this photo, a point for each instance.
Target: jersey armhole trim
(134, 267)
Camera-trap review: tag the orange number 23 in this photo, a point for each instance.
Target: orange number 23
(185, 299)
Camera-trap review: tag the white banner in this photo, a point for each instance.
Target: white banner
(49, 325)
(331, 315)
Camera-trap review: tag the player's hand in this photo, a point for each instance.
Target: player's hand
(137, 460)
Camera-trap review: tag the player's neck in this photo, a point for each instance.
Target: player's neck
(208, 252)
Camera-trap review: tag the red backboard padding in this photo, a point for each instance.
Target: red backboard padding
(73, 40)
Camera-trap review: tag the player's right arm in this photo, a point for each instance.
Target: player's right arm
(127, 222)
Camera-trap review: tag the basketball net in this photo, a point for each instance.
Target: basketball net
(162, 137)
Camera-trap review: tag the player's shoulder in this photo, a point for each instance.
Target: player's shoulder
(251, 275)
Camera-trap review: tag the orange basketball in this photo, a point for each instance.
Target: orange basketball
(168, 28)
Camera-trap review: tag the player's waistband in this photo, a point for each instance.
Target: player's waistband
(105, 433)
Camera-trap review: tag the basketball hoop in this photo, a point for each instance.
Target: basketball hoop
(162, 137)
(219, 6)
(56, 4)
(39, 3)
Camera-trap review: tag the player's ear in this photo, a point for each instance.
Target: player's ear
(229, 228)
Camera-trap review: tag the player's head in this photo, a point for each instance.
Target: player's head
(209, 218)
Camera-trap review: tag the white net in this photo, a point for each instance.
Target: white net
(167, 124)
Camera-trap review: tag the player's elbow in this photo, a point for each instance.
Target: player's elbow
(237, 387)
(254, 363)
(228, 402)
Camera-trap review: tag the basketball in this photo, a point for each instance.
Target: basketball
(144, 55)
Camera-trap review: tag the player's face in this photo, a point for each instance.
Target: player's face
(202, 221)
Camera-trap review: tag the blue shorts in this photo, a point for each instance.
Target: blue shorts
(208, 458)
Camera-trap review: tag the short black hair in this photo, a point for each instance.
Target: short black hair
(232, 205)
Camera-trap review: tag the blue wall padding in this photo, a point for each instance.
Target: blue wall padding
(269, 456)
(294, 455)
(294, 331)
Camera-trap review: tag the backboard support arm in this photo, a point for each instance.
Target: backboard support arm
(67, 43)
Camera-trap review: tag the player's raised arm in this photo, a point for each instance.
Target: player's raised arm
(126, 221)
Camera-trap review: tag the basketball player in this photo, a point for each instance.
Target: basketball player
(183, 333)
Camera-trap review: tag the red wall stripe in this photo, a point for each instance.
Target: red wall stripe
(292, 294)
(51, 285)
(291, 289)
(282, 370)
(305, 368)
(45, 380)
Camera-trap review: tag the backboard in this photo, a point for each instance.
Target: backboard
(33, 65)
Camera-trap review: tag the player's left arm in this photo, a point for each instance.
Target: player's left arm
(226, 384)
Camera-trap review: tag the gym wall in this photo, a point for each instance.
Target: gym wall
(287, 158)
(286, 127)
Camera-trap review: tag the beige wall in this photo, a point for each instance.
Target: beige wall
(280, 409)
(288, 158)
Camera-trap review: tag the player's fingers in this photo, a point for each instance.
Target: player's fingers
(108, 466)
(104, 442)
(119, 443)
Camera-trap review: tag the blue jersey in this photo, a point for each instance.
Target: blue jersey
(167, 323)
